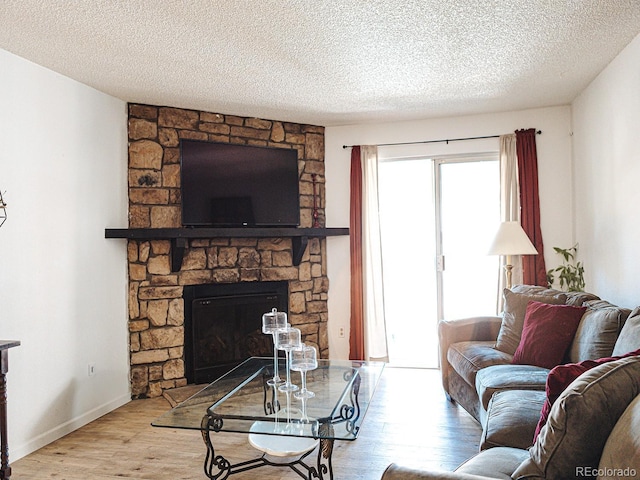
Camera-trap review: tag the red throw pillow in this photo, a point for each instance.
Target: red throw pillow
(547, 333)
(560, 378)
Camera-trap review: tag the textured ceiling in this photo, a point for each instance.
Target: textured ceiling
(326, 62)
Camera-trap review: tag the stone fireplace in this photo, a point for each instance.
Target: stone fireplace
(156, 293)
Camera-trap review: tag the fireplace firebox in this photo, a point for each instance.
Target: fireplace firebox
(223, 325)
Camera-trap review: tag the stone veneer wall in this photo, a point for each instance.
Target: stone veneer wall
(156, 309)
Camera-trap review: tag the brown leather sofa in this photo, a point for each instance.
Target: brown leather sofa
(593, 431)
(469, 345)
(593, 428)
(505, 398)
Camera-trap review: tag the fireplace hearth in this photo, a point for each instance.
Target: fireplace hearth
(223, 325)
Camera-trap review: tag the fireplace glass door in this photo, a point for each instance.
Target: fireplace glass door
(223, 326)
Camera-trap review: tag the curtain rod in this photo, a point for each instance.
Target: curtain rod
(434, 141)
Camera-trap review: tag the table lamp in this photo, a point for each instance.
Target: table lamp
(511, 240)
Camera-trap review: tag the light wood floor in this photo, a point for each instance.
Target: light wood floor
(409, 421)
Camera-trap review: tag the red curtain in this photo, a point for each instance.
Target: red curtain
(533, 267)
(356, 338)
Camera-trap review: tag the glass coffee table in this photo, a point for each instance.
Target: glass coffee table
(284, 428)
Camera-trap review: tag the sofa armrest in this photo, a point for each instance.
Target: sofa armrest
(464, 330)
(398, 472)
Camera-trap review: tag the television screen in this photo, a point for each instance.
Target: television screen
(226, 185)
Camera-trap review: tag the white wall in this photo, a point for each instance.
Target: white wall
(606, 125)
(554, 163)
(63, 165)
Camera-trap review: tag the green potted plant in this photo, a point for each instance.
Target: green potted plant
(570, 275)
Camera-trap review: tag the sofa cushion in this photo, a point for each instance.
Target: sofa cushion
(512, 416)
(598, 331)
(515, 306)
(629, 338)
(562, 376)
(577, 299)
(572, 298)
(582, 419)
(622, 450)
(547, 332)
(493, 463)
(405, 472)
(467, 358)
(508, 377)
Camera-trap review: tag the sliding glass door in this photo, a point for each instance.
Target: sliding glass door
(407, 219)
(468, 216)
(437, 217)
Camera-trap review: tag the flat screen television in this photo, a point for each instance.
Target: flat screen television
(226, 185)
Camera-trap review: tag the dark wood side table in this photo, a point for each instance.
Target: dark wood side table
(5, 468)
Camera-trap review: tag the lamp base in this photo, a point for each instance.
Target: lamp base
(508, 272)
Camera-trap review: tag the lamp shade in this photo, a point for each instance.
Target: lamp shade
(512, 240)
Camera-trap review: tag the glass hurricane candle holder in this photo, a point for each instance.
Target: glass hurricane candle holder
(303, 359)
(271, 323)
(287, 339)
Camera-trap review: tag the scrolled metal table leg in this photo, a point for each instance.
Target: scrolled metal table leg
(350, 413)
(212, 461)
(324, 466)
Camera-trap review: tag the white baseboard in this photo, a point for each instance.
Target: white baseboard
(17, 452)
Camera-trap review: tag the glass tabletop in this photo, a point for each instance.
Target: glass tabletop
(241, 401)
